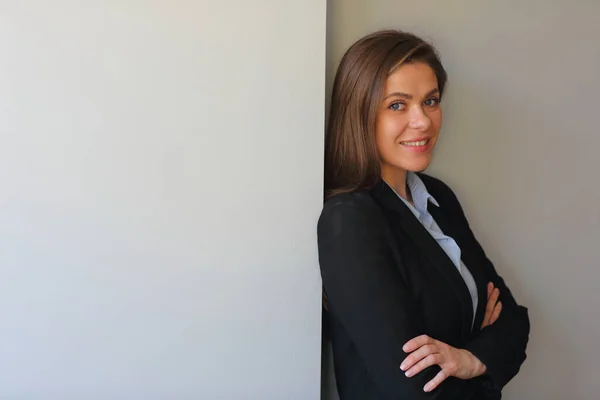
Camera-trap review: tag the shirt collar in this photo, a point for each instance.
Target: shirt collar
(419, 193)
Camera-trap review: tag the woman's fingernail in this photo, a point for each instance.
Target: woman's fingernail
(427, 388)
(409, 373)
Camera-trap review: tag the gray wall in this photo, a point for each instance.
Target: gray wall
(160, 181)
(519, 147)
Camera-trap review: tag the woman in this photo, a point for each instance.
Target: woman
(416, 310)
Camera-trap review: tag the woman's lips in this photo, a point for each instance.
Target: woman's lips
(419, 145)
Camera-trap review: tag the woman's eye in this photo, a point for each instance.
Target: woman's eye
(431, 102)
(397, 106)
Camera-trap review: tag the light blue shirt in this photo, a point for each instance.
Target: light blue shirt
(421, 198)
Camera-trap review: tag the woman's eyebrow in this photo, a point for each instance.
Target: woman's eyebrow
(410, 96)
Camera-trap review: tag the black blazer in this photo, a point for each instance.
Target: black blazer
(388, 281)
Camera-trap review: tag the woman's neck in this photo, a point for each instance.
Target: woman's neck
(396, 178)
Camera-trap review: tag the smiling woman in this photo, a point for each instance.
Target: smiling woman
(409, 121)
(416, 308)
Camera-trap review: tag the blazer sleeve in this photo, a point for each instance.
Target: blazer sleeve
(502, 345)
(367, 295)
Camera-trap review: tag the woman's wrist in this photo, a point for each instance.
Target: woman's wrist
(478, 368)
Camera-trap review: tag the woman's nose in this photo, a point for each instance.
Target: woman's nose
(419, 120)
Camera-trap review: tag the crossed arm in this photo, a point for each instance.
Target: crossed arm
(357, 277)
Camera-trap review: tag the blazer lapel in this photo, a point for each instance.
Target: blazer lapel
(452, 230)
(428, 246)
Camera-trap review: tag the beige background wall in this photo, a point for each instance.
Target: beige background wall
(519, 146)
(160, 180)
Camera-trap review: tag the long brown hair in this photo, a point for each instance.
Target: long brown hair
(351, 156)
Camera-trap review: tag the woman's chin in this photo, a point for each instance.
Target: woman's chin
(419, 166)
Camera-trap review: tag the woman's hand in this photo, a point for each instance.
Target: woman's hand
(425, 352)
(493, 308)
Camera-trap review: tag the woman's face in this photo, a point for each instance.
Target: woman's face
(409, 120)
